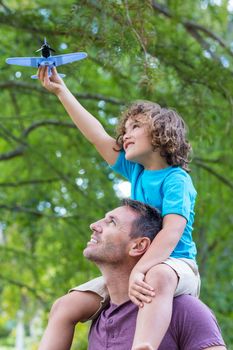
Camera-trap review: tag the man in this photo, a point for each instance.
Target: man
(117, 243)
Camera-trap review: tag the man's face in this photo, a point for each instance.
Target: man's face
(110, 239)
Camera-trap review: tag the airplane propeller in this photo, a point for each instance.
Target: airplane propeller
(42, 47)
(45, 48)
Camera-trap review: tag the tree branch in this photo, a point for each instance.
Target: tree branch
(29, 182)
(194, 29)
(19, 151)
(5, 8)
(19, 20)
(213, 172)
(137, 35)
(33, 87)
(19, 253)
(208, 160)
(39, 296)
(49, 122)
(197, 27)
(21, 209)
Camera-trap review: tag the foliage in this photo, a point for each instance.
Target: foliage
(53, 183)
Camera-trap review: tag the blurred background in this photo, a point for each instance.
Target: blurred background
(53, 184)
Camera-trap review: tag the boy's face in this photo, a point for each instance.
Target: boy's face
(137, 141)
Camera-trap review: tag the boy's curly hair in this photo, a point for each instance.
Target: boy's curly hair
(166, 127)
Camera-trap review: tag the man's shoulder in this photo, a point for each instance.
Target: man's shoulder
(188, 302)
(194, 324)
(191, 308)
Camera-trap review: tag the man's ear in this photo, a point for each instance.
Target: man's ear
(139, 246)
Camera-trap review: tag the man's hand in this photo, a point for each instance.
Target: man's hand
(53, 83)
(139, 291)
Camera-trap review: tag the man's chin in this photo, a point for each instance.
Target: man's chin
(86, 252)
(90, 254)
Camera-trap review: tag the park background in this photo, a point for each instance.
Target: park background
(53, 184)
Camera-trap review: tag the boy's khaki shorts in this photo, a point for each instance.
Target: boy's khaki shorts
(186, 270)
(188, 276)
(98, 286)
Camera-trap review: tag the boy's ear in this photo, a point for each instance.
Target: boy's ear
(139, 246)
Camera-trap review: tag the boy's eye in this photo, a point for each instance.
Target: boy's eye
(135, 126)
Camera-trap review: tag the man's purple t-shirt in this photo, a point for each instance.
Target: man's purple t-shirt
(193, 327)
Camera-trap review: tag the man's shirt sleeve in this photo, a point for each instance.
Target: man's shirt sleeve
(195, 324)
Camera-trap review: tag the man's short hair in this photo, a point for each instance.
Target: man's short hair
(149, 221)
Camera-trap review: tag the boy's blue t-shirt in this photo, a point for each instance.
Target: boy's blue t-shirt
(170, 190)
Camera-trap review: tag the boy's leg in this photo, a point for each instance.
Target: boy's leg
(65, 314)
(154, 318)
(189, 278)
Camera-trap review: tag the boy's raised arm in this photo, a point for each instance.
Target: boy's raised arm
(89, 126)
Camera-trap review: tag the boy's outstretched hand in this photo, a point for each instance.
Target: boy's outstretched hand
(139, 291)
(53, 83)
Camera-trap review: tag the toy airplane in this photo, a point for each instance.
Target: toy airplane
(46, 59)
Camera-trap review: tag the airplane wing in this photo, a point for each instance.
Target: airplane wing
(24, 61)
(68, 58)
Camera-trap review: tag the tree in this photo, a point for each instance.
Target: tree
(53, 183)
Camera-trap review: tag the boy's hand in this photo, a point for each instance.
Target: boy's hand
(53, 83)
(139, 291)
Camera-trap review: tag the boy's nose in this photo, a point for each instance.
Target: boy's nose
(125, 137)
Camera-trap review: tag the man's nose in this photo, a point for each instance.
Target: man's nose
(96, 226)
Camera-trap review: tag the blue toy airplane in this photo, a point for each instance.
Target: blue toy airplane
(46, 59)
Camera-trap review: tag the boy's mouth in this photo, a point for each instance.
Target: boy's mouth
(128, 144)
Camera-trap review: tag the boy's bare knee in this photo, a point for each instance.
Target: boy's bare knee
(162, 277)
